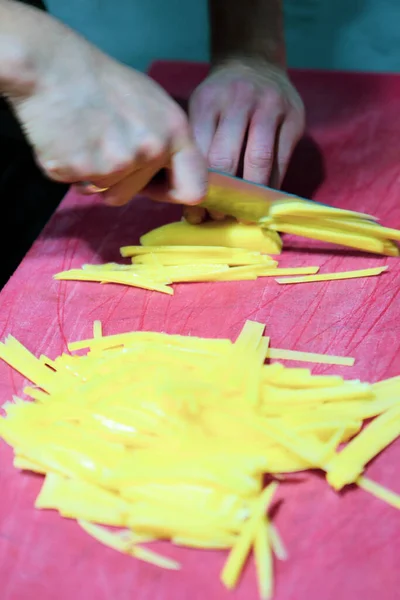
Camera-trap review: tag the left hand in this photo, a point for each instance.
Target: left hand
(247, 109)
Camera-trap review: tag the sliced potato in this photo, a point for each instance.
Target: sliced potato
(226, 233)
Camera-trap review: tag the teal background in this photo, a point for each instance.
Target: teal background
(328, 34)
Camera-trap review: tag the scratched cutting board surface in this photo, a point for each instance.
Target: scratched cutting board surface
(340, 546)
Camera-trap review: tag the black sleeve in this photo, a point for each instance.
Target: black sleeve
(28, 198)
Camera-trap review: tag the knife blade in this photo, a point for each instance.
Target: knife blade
(240, 198)
(251, 202)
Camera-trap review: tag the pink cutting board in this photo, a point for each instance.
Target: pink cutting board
(340, 546)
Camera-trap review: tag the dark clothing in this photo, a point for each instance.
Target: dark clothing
(27, 197)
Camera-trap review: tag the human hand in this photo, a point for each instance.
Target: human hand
(91, 119)
(247, 110)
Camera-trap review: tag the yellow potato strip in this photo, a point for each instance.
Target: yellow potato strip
(335, 236)
(311, 357)
(121, 277)
(313, 209)
(334, 276)
(263, 558)
(220, 252)
(379, 491)
(356, 226)
(237, 557)
(97, 329)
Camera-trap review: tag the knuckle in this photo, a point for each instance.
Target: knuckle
(222, 163)
(272, 97)
(242, 91)
(112, 154)
(152, 147)
(111, 163)
(260, 156)
(119, 163)
(178, 120)
(204, 98)
(77, 168)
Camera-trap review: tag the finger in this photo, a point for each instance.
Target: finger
(188, 175)
(203, 117)
(290, 133)
(123, 191)
(194, 214)
(216, 216)
(227, 144)
(261, 142)
(111, 162)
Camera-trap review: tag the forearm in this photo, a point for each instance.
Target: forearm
(251, 29)
(28, 39)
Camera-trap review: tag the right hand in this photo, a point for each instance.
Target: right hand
(90, 118)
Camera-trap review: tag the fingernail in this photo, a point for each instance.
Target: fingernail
(194, 214)
(217, 216)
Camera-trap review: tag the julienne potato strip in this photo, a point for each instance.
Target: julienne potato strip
(121, 277)
(318, 231)
(352, 225)
(294, 208)
(335, 276)
(199, 252)
(156, 267)
(156, 271)
(332, 225)
(140, 433)
(312, 357)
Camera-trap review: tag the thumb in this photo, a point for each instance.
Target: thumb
(188, 175)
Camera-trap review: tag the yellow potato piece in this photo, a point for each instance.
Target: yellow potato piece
(227, 233)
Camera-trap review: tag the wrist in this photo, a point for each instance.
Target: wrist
(243, 63)
(274, 56)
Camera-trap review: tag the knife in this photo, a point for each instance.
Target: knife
(252, 202)
(240, 198)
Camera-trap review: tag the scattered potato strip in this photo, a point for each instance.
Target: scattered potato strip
(154, 268)
(311, 357)
(335, 276)
(140, 434)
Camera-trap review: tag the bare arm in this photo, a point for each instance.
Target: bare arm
(90, 118)
(28, 38)
(247, 28)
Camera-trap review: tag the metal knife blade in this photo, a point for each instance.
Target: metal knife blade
(239, 198)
